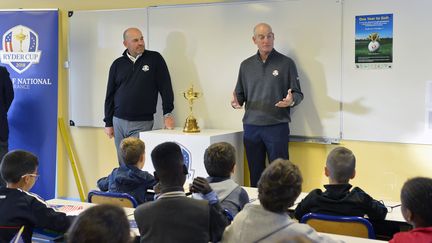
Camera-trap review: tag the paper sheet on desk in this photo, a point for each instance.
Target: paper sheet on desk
(133, 228)
(70, 210)
(132, 223)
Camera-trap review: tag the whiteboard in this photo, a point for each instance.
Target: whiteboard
(204, 45)
(393, 105)
(95, 41)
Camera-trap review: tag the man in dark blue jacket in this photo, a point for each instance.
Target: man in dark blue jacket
(135, 80)
(6, 97)
(129, 177)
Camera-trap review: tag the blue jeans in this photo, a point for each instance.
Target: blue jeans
(261, 141)
(124, 128)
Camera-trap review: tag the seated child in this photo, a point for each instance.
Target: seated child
(101, 223)
(173, 217)
(19, 207)
(278, 188)
(416, 199)
(219, 161)
(339, 199)
(129, 177)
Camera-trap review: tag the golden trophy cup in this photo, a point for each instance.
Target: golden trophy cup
(21, 37)
(191, 124)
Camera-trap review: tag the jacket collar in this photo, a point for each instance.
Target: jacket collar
(337, 190)
(215, 179)
(272, 53)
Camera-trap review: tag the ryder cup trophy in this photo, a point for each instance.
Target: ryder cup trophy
(191, 124)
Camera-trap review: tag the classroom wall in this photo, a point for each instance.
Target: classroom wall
(381, 167)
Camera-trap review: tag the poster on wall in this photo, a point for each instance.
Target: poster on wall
(29, 51)
(374, 41)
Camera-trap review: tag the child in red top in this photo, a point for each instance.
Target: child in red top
(416, 198)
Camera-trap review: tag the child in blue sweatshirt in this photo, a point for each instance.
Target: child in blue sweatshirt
(219, 161)
(129, 177)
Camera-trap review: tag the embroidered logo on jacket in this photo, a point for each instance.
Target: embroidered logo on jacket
(145, 68)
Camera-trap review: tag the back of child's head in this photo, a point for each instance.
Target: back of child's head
(416, 196)
(168, 162)
(16, 164)
(219, 159)
(279, 186)
(132, 149)
(101, 223)
(341, 164)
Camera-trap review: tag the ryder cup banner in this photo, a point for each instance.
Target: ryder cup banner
(29, 50)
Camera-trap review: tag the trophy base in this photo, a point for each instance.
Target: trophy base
(191, 125)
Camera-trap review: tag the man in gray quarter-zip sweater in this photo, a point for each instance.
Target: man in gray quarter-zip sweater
(269, 85)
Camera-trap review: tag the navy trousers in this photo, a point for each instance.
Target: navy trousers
(261, 141)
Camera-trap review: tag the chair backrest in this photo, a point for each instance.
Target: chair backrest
(115, 198)
(342, 225)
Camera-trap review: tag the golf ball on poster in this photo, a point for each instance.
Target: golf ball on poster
(373, 46)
